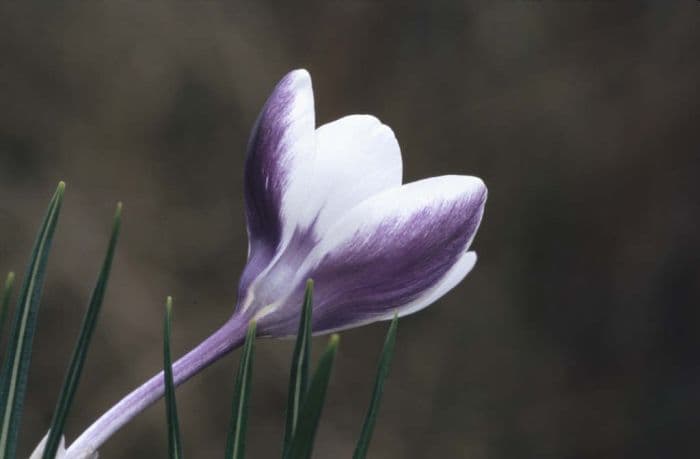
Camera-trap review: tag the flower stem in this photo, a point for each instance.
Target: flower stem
(225, 339)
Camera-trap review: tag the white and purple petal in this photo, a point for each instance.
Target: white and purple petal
(281, 143)
(397, 251)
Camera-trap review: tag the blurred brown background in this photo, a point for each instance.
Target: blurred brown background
(575, 337)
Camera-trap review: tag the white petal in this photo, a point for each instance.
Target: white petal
(356, 157)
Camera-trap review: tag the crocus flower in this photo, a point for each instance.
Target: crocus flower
(328, 204)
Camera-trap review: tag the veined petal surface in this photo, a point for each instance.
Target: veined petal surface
(399, 250)
(280, 145)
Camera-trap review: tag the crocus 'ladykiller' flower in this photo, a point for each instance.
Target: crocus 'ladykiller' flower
(328, 204)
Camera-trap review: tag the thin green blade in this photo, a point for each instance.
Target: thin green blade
(382, 372)
(6, 296)
(235, 444)
(70, 385)
(174, 441)
(299, 374)
(302, 443)
(13, 378)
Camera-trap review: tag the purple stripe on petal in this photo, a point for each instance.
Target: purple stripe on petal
(278, 142)
(401, 261)
(392, 257)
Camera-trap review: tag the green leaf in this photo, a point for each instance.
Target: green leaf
(235, 444)
(6, 296)
(302, 443)
(13, 378)
(174, 441)
(70, 385)
(371, 418)
(299, 375)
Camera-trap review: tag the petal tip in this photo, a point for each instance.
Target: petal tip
(476, 187)
(483, 189)
(472, 255)
(297, 78)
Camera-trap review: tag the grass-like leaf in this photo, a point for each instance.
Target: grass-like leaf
(5, 304)
(70, 385)
(302, 443)
(235, 444)
(13, 378)
(299, 375)
(371, 418)
(174, 440)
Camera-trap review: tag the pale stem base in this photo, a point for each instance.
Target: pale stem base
(228, 337)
